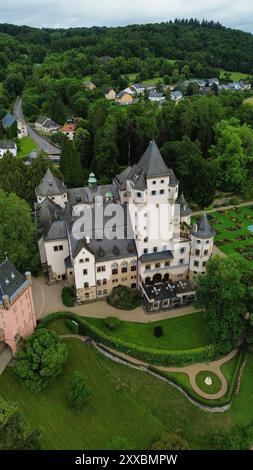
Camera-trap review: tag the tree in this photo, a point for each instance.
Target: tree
(13, 175)
(41, 360)
(170, 441)
(17, 233)
(79, 393)
(223, 293)
(15, 432)
(70, 165)
(106, 150)
(82, 143)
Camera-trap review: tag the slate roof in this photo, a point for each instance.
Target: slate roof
(10, 279)
(168, 290)
(155, 94)
(50, 186)
(50, 220)
(204, 229)
(184, 208)
(86, 195)
(8, 120)
(156, 256)
(105, 250)
(46, 122)
(7, 144)
(152, 162)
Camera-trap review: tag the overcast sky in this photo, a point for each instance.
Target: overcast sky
(67, 13)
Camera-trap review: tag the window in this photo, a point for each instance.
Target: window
(145, 251)
(85, 272)
(104, 291)
(133, 268)
(158, 265)
(162, 181)
(101, 269)
(145, 240)
(205, 252)
(138, 194)
(99, 292)
(87, 295)
(155, 249)
(86, 285)
(181, 261)
(198, 241)
(167, 263)
(196, 263)
(148, 266)
(154, 182)
(55, 248)
(104, 282)
(204, 263)
(153, 193)
(98, 282)
(161, 191)
(114, 268)
(182, 250)
(207, 242)
(197, 252)
(87, 260)
(81, 261)
(60, 247)
(124, 267)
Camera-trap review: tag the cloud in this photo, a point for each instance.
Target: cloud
(70, 13)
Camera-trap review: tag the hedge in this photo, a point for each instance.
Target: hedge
(151, 355)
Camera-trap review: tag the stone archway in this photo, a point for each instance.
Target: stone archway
(157, 278)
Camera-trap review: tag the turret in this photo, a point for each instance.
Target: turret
(202, 236)
(52, 188)
(92, 181)
(185, 211)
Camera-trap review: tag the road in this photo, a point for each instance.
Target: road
(42, 142)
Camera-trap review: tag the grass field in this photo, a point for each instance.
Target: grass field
(174, 332)
(27, 145)
(140, 411)
(235, 76)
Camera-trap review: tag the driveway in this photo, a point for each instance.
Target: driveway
(47, 299)
(42, 142)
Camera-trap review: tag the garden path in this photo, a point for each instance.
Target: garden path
(223, 208)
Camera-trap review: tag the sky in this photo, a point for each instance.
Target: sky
(70, 13)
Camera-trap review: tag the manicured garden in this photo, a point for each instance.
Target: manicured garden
(26, 146)
(185, 332)
(124, 402)
(208, 382)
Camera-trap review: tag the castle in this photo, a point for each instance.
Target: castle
(163, 266)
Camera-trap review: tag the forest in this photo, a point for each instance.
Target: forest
(207, 140)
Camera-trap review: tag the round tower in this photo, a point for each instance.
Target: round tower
(202, 236)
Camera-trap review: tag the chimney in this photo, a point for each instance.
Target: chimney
(28, 276)
(6, 302)
(87, 239)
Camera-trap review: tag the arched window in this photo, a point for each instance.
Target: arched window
(124, 267)
(133, 286)
(114, 268)
(98, 282)
(147, 281)
(104, 282)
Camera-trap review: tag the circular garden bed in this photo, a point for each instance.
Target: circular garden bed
(208, 382)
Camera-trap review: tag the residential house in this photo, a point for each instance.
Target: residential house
(176, 95)
(68, 130)
(8, 146)
(89, 86)
(17, 314)
(156, 97)
(245, 85)
(138, 88)
(124, 98)
(110, 94)
(14, 127)
(46, 125)
(162, 266)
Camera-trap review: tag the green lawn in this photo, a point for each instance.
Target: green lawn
(140, 411)
(27, 145)
(211, 389)
(186, 332)
(235, 76)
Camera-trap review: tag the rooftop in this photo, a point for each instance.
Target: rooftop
(10, 279)
(50, 185)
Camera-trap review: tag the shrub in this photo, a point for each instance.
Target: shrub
(112, 323)
(79, 393)
(72, 326)
(68, 297)
(124, 298)
(41, 360)
(234, 201)
(172, 441)
(239, 439)
(151, 355)
(158, 331)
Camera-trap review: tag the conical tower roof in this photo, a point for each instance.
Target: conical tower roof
(204, 229)
(184, 208)
(152, 163)
(50, 185)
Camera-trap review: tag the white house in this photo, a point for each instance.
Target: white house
(138, 88)
(8, 146)
(162, 265)
(156, 97)
(176, 95)
(46, 125)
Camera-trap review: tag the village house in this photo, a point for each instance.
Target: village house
(124, 98)
(156, 97)
(10, 122)
(176, 95)
(110, 94)
(8, 146)
(89, 86)
(68, 130)
(46, 125)
(138, 88)
(162, 268)
(17, 314)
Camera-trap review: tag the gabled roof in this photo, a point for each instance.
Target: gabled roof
(184, 208)
(156, 256)
(152, 162)
(50, 185)
(8, 120)
(10, 279)
(7, 144)
(204, 229)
